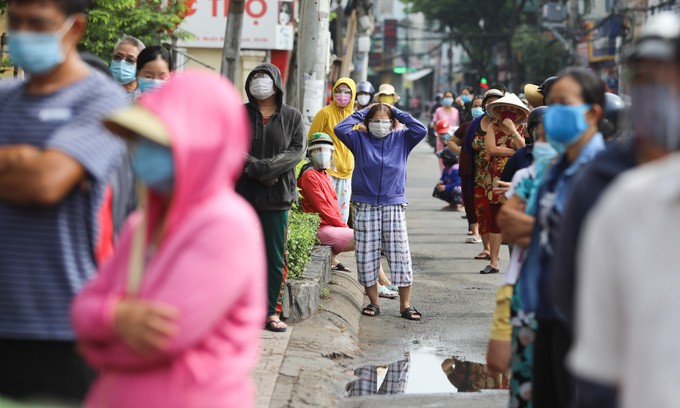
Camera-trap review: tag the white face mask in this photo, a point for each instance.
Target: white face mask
(380, 129)
(364, 99)
(321, 158)
(262, 88)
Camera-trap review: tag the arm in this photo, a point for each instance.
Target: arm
(270, 168)
(324, 206)
(515, 224)
(415, 131)
(454, 144)
(492, 149)
(32, 176)
(343, 130)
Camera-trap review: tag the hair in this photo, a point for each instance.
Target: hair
(485, 100)
(133, 41)
(469, 89)
(152, 53)
(499, 86)
(95, 62)
(68, 7)
(453, 94)
(592, 87)
(379, 107)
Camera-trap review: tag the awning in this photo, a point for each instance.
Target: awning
(414, 76)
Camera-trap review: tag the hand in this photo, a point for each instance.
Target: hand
(509, 126)
(502, 187)
(441, 187)
(146, 326)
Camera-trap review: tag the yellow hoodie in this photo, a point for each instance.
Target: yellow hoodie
(325, 122)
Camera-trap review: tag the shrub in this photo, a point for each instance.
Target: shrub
(302, 228)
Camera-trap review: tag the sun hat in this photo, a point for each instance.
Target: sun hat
(508, 100)
(386, 89)
(135, 121)
(535, 94)
(442, 126)
(319, 139)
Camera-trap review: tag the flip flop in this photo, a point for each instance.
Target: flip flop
(483, 255)
(410, 312)
(272, 326)
(384, 292)
(341, 267)
(473, 240)
(371, 310)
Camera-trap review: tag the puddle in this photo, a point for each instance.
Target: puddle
(424, 372)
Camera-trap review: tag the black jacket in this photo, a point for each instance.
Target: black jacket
(268, 182)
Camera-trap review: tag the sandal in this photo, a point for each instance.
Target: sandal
(340, 267)
(483, 255)
(385, 292)
(473, 240)
(489, 270)
(274, 326)
(411, 313)
(371, 310)
(393, 288)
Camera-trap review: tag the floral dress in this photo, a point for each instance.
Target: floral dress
(497, 163)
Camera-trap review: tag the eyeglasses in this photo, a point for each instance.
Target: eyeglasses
(380, 121)
(129, 60)
(260, 75)
(343, 91)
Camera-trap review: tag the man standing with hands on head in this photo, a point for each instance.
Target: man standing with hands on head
(55, 159)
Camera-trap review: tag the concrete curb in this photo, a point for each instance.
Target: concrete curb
(301, 297)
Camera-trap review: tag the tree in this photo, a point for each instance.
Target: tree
(149, 20)
(538, 55)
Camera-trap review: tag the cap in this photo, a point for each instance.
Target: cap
(442, 126)
(135, 121)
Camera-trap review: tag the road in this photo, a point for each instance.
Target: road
(456, 301)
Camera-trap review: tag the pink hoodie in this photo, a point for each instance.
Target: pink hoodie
(210, 265)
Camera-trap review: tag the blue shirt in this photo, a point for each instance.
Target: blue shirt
(47, 253)
(551, 199)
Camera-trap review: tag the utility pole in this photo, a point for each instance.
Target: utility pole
(313, 56)
(574, 29)
(232, 39)
(350, 39)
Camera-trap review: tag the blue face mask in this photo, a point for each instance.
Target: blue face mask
(477, 112)
(146, 84)
(123, 72)
(564, 124)
(38, 53)
(154, 165)
(447, 101)
(466, 98)
(543, 151)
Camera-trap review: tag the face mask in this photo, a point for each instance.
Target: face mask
(364, 99)
(146, 84)
(466, 98)
(445, 136)
(342, 99)
(262, 88)
(477, 112)
(509, 115)
(38, 53)
(123, 72)
(321, 158)
(655, 114)
(380, 129)
(387, 99)
(154, 165)
(543, 151)
(564, 124)
(447, 101)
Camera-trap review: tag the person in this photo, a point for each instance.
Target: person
(614, 114)
(523, 157)
(154, 66)
(324, 122)
(268, 180)
(475, 143)
(536, 94)
(465, 172)
(365, 93)
(386, 94)
(379, 200)
(503, 138)
(56, 161)
(139, 320)
(575, 107)
(448, 186)
(123, 65)
(655, 68)
(449, 113)
(464, 103)
(444, 132)
(318, 196)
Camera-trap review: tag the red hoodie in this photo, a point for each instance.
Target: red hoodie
(318, 196)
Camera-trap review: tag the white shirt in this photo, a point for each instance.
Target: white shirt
(627, 302)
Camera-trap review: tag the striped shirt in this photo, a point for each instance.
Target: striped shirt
(47, 253)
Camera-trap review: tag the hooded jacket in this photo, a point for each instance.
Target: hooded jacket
(326, 120)
(380, 175)
(209, 265)
(268, 182)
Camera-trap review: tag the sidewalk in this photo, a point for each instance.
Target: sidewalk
(272, 350)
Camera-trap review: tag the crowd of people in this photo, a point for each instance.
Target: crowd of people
(125, 297)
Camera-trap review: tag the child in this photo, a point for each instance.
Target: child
(448, 188)
(378, 198)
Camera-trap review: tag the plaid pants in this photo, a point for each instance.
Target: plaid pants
(395, 381)
(382, 227)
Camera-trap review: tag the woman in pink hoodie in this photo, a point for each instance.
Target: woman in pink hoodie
(173, 319)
